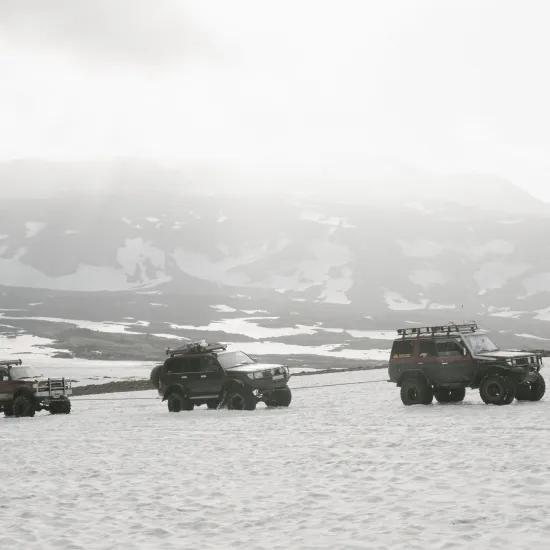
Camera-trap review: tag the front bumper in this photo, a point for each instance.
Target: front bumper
(52, 389)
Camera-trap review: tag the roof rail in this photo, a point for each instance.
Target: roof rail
(11, 362)
(200, 346)
(439, 329)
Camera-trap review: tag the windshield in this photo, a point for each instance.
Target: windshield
(17, 373)
(479, 343)
(230, 359)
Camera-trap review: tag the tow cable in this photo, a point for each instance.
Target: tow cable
(82, 398)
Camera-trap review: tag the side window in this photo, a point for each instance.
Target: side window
(402, 348)
(184, 365)
(175, 365)
(426, 349)
(3, 374)
(209, 364)
(192, 364)
(448, 349)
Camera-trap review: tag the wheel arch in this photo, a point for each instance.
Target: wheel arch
(414, 374)
(491, 369)
(231, 383)
(23, 391)
(174, 388)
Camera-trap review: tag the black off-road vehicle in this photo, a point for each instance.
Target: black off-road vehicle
(443, 361)
(201, 373)
(22, 392)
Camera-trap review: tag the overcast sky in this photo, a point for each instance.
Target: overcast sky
(435, 85)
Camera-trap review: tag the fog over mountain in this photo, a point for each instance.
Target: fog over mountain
(450, 248)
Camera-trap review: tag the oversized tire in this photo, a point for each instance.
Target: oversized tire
(212, 403)
(23, 405)
(240, 398)
(416, 391)
(279, 398)
(178, 402)
(449, 395)
(531, 391)
(155, 377)
(8, 409)
(496, 389)
(62, 406)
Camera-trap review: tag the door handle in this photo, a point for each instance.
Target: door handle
(203, 375)
(444, 363)
(420, 363)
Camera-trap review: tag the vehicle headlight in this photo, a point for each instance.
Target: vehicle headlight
(256, 375)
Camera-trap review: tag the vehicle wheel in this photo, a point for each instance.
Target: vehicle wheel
(279, 398)
(240, 398)
(63, 406)
(416, 391)
(531, 391)
(178, 402)
(23, 405)
(496, 389)
(212, 403)
(8, 409)
(449, 395)
(155, 377)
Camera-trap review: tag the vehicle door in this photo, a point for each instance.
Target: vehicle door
(185, 371)
(427, 359)
(211, 376)
(456, 362)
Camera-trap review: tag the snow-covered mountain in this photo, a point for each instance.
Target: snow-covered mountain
(455, 248)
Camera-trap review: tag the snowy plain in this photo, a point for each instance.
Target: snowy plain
(345, 466)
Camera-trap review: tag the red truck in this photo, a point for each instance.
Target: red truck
(23, 393)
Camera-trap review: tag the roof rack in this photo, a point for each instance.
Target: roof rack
(438, 329)
(200, 346)
(11, 362)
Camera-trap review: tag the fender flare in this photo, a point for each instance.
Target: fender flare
(226, 388)
(23, 391)
(175, 388)
(416, 373)
(231, 383)
(495, 370)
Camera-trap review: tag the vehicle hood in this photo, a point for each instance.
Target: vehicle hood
(504, 354)
(255, 367)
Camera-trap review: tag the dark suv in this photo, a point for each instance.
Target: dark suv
(201, 373)
(22, 392)
(443, 361)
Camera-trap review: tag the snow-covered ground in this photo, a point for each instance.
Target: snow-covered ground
(344, 467)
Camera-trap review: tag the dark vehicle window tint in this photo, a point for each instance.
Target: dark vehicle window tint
(447, 349)
(3, 375)
(192, 364)
(209, 364)
(175, 365)
(402, 348)
(426, 349)
(187, 364)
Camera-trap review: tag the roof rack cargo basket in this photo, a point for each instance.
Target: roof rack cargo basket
(200, 346)
(438, 329)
